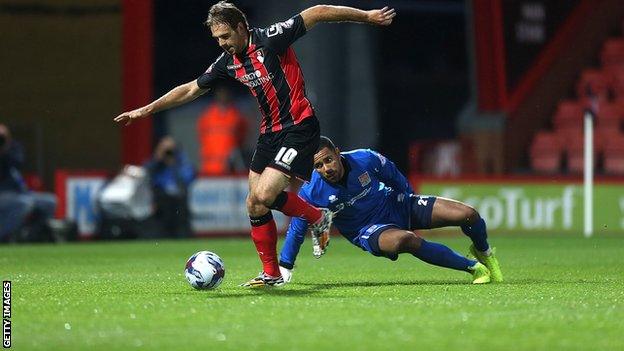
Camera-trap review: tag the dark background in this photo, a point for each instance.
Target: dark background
(420, 67)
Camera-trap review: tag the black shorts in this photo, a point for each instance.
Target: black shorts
(290, 150)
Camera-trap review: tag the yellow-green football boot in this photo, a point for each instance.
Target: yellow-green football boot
(480, 274)
(490, 262)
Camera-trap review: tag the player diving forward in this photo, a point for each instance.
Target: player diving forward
(375, 209)
(264, 61)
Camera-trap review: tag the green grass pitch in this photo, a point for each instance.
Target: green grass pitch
(561, 292)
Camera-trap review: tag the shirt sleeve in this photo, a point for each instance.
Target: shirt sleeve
(217, 71)
(295, 235)
(389, 173)
(281, 35)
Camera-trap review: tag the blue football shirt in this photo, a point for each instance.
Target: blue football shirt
(375, 192)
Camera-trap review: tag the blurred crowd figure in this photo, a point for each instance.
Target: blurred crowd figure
(221, 133)
(20, 208)
(171, 173)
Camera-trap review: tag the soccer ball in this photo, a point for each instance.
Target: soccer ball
(204, 270)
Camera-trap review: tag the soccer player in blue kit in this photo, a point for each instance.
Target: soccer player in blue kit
(376, 209)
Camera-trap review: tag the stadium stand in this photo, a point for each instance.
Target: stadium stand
(600, 90)
(546, 153)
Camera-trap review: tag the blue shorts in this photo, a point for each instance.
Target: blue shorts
(420, 218)
(368, 239)
(420, 211)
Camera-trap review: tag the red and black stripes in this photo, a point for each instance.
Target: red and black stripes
(300, 106)
(277, 83)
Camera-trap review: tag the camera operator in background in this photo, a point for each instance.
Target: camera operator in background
(18, 205)
(171, 173)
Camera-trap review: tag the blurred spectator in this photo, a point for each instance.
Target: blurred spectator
(222, 129)
(171, 173)
(18, 205)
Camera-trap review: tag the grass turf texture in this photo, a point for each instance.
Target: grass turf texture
(560, 293)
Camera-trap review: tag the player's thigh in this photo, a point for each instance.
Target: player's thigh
(448, 212)
(254, 177)
(270, 184)
(368, 240)
(295, 184)
(396, 241)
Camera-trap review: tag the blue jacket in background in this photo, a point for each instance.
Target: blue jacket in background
(172, 180)
(11, 163)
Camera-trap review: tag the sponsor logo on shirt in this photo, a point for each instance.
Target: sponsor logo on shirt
(351, 202)
(237, 66)
(255, 79)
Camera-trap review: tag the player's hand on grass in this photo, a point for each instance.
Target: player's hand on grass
(320, 244)
(128, 117)
(381, 17)
(286, 273)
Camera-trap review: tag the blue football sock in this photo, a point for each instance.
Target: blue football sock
(440, 255)
(478, 234)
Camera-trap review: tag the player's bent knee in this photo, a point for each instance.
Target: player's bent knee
(409, 242)
(255, 208)
(470, 215)
(266, 199)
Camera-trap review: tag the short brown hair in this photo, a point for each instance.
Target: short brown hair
(226, 13)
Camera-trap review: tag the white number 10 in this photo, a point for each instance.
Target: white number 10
(286, 155)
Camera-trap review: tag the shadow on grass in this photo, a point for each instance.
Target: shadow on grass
(245, 292)
(527, 281)
(318, 289)
(364, 284)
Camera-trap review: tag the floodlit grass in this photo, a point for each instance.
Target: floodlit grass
(560, 292)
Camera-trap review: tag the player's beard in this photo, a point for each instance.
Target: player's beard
(332, 177)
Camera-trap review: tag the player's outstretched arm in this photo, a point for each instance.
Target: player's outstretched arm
(329, 13)
(176, 96)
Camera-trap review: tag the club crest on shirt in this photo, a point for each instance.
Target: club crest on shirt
(260, 56)
(332, 198)
(364, 179)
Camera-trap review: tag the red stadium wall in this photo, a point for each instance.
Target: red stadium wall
(137, 77)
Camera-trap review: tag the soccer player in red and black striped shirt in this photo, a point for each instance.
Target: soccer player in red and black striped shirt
(264, 61)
